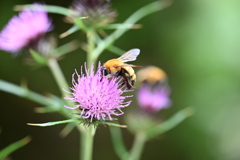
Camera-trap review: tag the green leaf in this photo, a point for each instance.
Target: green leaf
(38, 57)
(122, 26)
(116, 50)
(80, 24)
(58, 107)
(66, 48)
(26, 93)
(111, 47)
(114, 124)
(54, 123)
(72, 30)
(48, 8)
(14, 146)
(66, 130)
(53, 102)
(73, 120)
(170, 123)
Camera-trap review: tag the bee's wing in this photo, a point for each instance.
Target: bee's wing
(130, 55)
(129, 65)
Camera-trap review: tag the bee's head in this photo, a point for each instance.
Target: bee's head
(104, 71)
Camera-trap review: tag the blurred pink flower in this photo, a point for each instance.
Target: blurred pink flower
(97, 96)
(24, 30)
(153, 98)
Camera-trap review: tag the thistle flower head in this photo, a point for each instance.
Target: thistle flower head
(98, 11)
(153, 98)
(24, 30)
(96, 96)
(46, 45)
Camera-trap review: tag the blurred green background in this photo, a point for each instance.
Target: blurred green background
(195, 42)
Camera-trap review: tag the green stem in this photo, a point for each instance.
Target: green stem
(91, 45)
(26, 93)
(48, 8)
(53, 103)
(118, 143)
(137, 147)
(62, 83)
(169, 124)
(87, 134)
(82, 144)
(86, 142)
(58, 75)
(136, 16)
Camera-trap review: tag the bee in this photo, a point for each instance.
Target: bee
(151, 75)
(118, 67)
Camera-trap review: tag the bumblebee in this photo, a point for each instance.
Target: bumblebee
(151, 75)
(118, 67)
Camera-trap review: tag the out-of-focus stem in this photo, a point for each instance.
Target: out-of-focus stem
(118, 143)
(58, 75)
(136, 16)
(137, 147)
(62, 83)
(14, 146)
(48, 8)
(25, 93)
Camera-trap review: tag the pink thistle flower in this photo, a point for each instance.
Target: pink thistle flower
(24, 30)
(97, 96)
(153, 98)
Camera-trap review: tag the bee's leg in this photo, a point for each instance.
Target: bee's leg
(128, 82)
(126, 78)
(110, 75)
(117, 73)
(133, 82)
(129, 86)
(123, 75)
(123, 82)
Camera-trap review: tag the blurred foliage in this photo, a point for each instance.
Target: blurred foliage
(13, 147)
(195, 42)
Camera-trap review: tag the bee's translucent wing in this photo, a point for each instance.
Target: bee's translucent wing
(130, 55)
(129, 65)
